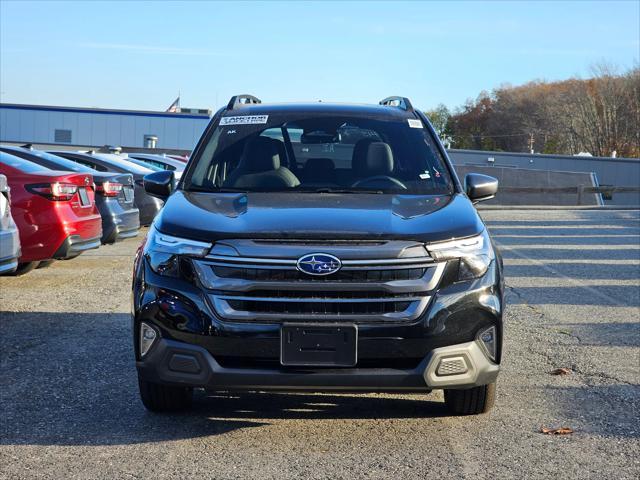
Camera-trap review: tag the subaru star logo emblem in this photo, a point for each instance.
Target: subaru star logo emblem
(319, 264)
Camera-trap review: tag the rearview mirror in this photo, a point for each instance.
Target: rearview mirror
(480, 187)
(316, 137)
(159, 184)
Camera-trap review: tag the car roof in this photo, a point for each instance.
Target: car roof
(107, 160)
(122, 162)
(346, 109)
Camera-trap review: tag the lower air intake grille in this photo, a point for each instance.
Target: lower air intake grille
(318, 308)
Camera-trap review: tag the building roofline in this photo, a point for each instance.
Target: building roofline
(103, 111)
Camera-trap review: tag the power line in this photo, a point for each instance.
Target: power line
(492, 136)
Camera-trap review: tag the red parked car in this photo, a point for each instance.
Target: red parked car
(55, 211)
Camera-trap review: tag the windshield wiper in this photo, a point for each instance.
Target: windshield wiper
(343, 190)
(196, 188)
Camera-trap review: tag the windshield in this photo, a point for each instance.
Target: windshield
(321, 153)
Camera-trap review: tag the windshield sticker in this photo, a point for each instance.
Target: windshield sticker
(425, 176)
(244, 120)
(414, 123)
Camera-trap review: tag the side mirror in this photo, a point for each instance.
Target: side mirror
(480, 187)
(159, 184)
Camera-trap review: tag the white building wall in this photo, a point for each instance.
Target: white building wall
(35, 124)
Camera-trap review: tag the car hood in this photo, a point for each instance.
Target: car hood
(214, 216)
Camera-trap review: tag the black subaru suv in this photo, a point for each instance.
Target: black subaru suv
(318, 247)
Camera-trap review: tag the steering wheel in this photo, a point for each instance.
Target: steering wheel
(380, 178)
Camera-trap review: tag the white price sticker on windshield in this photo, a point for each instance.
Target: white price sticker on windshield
(244, 120)
(414, 123)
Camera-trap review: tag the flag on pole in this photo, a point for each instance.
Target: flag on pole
(173, 108)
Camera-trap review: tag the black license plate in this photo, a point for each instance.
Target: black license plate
(128, 194)
(316, 345)
(84, 197)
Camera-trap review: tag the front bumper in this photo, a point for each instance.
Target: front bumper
(196, 348)
(177, 363)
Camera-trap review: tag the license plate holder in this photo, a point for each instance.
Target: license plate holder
(128, 194)
(313, 345)
(84, 197)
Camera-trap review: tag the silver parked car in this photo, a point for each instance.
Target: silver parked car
(9, 237)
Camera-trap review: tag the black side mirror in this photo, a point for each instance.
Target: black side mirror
(159, 184)
(480, 187)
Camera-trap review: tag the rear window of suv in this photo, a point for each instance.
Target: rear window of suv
(320, 153)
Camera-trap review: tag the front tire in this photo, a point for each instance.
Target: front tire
(470, 401)
(162, 398)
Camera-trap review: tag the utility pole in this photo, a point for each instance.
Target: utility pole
(531, 142)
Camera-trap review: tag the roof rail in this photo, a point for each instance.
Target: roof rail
(400, 102)
(242, 100)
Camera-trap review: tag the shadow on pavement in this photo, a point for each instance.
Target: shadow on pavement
(69, 379)
(626, 221)
(605, 334)
(628, 295)
(542, 254)
(579, 271)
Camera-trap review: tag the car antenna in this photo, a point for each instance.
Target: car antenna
(28, 146)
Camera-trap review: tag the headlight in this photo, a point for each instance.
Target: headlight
(475, 254)
(162, 251)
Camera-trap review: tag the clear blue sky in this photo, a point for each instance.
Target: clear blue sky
(139, 55)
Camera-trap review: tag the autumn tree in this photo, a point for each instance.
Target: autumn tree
(440, 118)
(599, 115)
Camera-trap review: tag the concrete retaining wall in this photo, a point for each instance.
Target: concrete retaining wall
(620, 172)
(520, 177)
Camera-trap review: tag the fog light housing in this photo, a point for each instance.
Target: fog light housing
(488, 342)
(452, 366)
(148, 336)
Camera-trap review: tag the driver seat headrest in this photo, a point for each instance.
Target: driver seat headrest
(260, 154)
(372, 158)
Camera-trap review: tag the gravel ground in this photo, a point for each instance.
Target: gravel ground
(70, 408)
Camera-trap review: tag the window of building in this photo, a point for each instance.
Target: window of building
(62, 136)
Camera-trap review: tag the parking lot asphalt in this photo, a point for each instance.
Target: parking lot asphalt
(70, 407)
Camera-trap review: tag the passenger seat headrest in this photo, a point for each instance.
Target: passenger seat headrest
(371, 158)
(260, 154)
